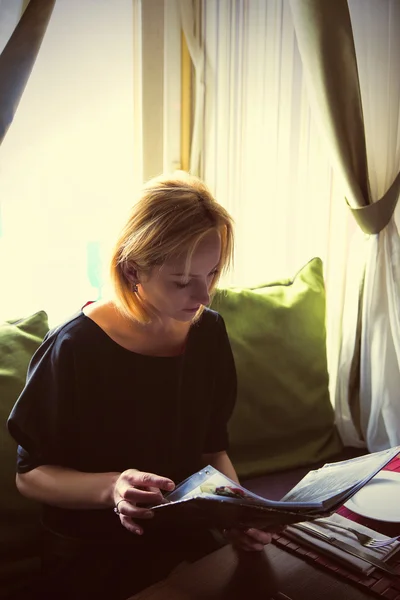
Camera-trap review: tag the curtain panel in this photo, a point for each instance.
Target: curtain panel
(261, 153)
(361, 126)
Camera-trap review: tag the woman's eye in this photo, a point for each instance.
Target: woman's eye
(181, 286)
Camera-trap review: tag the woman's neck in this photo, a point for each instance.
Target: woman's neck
(162, 338)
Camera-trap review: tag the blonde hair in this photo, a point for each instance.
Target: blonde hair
(173, 213)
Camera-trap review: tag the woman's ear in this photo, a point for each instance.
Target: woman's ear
(130, 272)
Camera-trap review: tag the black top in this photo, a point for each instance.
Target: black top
(89, 404)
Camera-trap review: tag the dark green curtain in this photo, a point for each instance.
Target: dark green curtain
(18, 58)
(326, 44)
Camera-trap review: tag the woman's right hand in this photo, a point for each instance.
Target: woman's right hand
(135, 487)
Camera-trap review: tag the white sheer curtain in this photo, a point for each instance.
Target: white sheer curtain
(376, 29)
(72, 157)
(262, 155)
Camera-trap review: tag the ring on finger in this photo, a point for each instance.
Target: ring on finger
(116, 509)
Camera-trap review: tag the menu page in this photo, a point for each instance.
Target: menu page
(210, 482)
(341, 479)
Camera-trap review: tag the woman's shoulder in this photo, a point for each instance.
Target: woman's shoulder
(211, 319)
(58, 346)
(210, 314)
(210, 325)
(73, 331)
(69, 328)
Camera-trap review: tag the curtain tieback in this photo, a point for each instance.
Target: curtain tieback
(374, 217)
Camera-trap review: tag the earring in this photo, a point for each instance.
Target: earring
(135, 288)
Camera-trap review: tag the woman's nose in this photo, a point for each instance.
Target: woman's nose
(201, 295)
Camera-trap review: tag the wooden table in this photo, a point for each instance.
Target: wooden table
(259, 575)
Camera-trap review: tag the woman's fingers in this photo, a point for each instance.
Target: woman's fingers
(128, 512)
(143, 488)
(127, 509)
(148, 480)
(132, 494)
(136, 489)
(259, 536)
(250, 539)
(131, 525)
(245, 543)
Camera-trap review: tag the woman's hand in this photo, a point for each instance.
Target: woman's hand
(248, 539)
(136, 487)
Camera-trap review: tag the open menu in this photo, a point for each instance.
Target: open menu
(211, 499)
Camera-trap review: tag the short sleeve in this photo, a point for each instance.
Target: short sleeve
(41, 417)
(224, 394)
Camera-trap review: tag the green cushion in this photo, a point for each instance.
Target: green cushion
(283, 417)
(19, 522)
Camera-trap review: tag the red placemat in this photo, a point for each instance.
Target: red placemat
(377, 583)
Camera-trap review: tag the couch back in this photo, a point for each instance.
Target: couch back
(19, 517)
(283, 417)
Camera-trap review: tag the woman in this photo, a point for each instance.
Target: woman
(130, 396)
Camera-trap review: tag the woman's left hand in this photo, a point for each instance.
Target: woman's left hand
(248, 539)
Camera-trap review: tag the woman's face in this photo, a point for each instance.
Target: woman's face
(175, 296)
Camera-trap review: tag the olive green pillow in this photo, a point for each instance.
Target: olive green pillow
(19, 517)
(283, 417)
